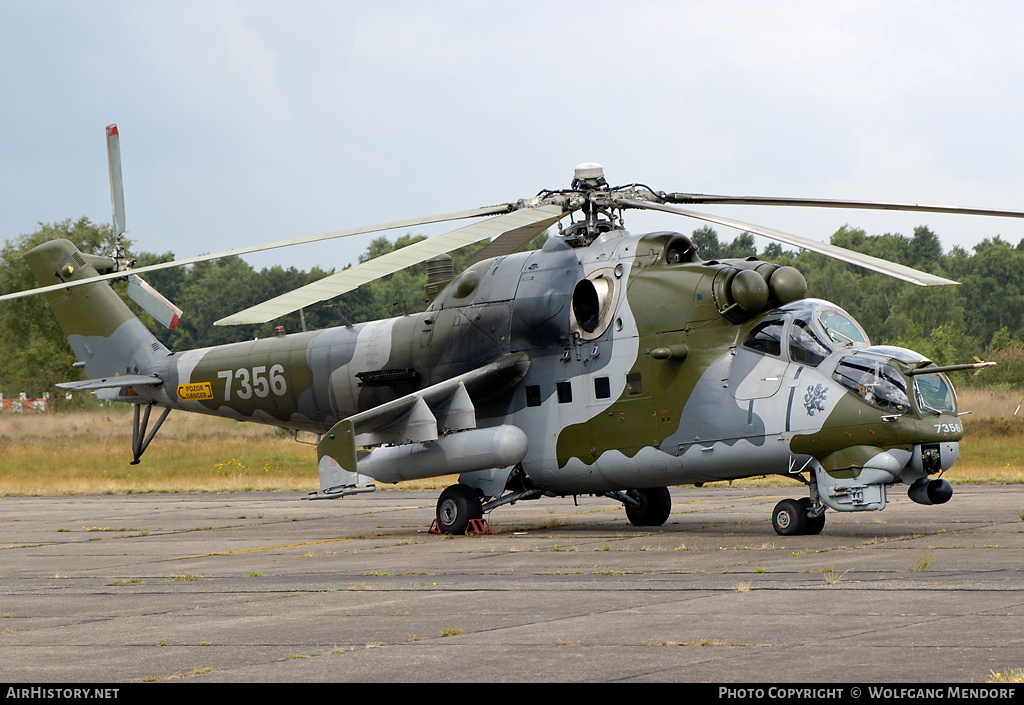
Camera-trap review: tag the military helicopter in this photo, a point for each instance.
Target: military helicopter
(605, 363)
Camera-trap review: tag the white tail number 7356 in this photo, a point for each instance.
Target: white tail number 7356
(258, 381)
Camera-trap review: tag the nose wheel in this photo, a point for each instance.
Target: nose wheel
(792, 517)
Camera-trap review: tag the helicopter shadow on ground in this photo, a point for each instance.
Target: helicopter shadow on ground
(742, 517)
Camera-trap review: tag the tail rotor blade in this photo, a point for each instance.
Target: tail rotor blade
(153, 302)
(116, 183)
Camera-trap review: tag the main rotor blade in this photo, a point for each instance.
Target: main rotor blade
(475, 213)
(349, 279)
(700, 198)
(875, 264)
(507, 243)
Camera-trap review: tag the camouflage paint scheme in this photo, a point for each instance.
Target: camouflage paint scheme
(623, 365)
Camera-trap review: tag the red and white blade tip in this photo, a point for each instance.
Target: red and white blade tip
(111, 130)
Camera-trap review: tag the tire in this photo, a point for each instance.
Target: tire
(815, 525)
(789, 518)
(456, 506)
(655, 506)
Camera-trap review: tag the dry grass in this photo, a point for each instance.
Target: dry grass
(90, 452)
(987, 404)
(993, 447)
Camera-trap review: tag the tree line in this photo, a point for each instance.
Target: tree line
(983, 317)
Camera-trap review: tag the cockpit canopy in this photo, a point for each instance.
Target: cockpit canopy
(816, 330)
(875, 381)
(808, 332)
(933, 391)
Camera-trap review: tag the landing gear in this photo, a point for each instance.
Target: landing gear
(814, 523)
(791, 517)
(456, 507)
(652, 508)
(140, 440)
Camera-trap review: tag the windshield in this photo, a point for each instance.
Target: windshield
(935, 393)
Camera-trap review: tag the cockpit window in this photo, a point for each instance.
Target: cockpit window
(766, 337)
(874, 381)
(841, 328)
(804, 346)
(935, 393)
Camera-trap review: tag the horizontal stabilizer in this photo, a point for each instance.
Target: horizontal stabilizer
(112, 382)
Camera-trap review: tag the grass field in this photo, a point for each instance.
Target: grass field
(89, 453)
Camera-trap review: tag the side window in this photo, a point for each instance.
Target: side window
(634, 384)
(766, 337)
(804, 346)
(533, 395)
(602, 387)
(564, 390)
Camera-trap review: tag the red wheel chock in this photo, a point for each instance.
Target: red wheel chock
(476, 527)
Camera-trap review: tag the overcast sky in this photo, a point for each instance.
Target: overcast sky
(248, 122)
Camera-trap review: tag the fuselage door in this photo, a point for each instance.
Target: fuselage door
(759, 366)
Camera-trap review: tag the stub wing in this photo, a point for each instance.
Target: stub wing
(418, 427)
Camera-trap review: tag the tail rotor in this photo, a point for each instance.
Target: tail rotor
(148, 298)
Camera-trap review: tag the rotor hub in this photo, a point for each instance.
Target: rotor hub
(589, 175)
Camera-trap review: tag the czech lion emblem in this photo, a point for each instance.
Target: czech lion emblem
(814, 399)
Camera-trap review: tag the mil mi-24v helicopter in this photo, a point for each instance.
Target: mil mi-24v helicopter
(605, 363)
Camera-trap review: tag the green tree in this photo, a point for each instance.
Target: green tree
(924, 251)
(34, 354)
(742, 246)
(993, 289)
(705, 239)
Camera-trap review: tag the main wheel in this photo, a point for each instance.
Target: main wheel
(655, 506)
(789, 518)
(814, 524)
(456, 506)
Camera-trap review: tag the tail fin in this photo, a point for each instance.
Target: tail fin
(102, 331)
